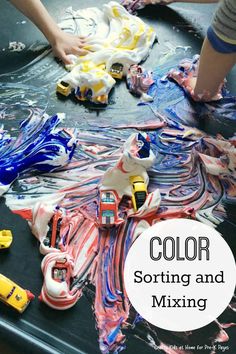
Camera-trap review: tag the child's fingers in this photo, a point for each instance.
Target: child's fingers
(83, 52)
(93, 47)
(82, 39)
(66, 59)
(62, 55)
(78, 51)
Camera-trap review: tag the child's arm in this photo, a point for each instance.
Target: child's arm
(213, 68)
(62, 43)
(218, 54)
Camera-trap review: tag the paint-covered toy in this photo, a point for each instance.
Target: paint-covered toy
(116, 71)
(13, 295)
(53, 235)
(139, 81)
(60, 271)
(108, 208)
(89, 81)
(139, 191)
(5, 239)
(63, 88)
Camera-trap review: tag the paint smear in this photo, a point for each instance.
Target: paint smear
(193, 173)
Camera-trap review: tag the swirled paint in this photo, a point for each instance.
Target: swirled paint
(84, 254)
(40, 147)
(194, 174)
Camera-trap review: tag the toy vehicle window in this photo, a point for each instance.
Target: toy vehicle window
(108, 213)
(117, 66)
(59, 274)
(108, 198)
(11, 292)
(64, 83)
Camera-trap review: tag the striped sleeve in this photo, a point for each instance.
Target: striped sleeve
(224, 21)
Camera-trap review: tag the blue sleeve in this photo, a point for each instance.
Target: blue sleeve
(218, 44)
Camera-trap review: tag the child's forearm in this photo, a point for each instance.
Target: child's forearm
(38, 14)
(213, 68)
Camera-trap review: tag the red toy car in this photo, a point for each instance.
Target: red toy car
(108, 209)
(53, 235)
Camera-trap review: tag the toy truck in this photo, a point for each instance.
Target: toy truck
(53, 235)
(108, 209)
(13, 295)
(139, 191)
(63, 88)
(5, 239)
(116, 71)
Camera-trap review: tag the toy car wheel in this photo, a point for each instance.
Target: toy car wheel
(46, 241)
(89, 94)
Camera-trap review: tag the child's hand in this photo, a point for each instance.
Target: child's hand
(65, 43)
(186, 76)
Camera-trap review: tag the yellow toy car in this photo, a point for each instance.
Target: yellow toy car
(63, 88)
(139, 191)
(116, 71)
(13, 295)
(5, 239)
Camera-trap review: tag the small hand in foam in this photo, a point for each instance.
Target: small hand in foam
(186, 76)
(64, 44)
